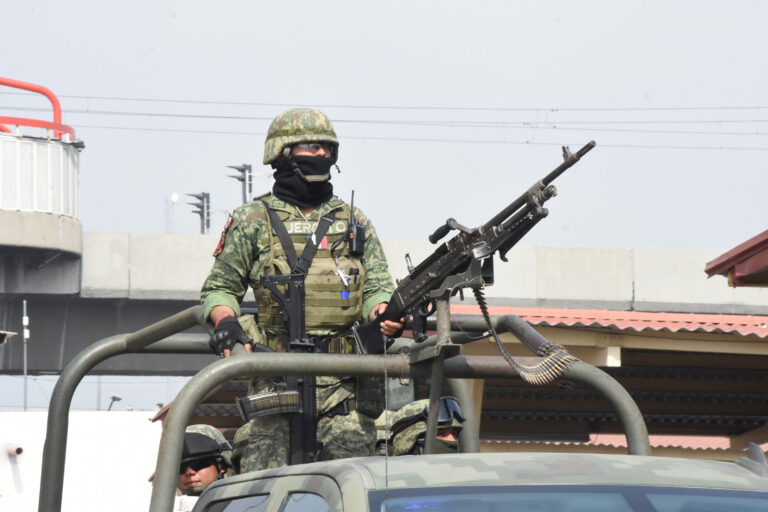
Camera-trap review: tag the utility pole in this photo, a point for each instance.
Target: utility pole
(203, 209)
(245, 177)
(170, 204)
(25, 324)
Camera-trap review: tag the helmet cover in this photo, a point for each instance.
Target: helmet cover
(409, 424)
(294, 126)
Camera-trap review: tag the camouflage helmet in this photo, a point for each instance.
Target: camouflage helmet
(201, 441)
(294, 126)
(409, 424)
(381, 431)
(239, 444)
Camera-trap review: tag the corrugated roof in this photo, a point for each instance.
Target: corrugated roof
(657, 441)
(744, 325)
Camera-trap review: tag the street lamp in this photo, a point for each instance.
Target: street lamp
(203, 209)
(115, 398)
(5, 336)
(245, 177)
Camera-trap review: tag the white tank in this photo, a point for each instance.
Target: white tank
(41, 237)
(39, 175)
(39, 194)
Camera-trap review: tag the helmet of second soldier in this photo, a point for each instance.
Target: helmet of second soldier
(382, 443)
(204, 459)
(294, 126)
(409, 424)
(239, 445)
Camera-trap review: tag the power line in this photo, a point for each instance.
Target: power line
(409, 122)
(395, 107)
(561, 126)
(439, 140)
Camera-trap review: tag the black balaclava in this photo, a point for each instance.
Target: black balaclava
(303, 180)
(444, 446)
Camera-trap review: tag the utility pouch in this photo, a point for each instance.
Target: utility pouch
(368, 395)
(265, 404)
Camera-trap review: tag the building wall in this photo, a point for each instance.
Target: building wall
(131, 280)
(110, 456)
(172, 267)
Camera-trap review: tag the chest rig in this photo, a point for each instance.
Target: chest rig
(318, 250)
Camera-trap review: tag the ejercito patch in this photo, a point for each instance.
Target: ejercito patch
(220, 247)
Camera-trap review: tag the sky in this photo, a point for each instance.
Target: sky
(443, 109)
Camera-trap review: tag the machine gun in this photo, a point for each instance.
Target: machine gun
(501, 233)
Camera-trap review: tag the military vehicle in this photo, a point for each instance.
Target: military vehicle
(501, 481)
(465, 481)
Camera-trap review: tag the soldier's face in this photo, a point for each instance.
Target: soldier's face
(195, 478)
(312, 149)
(447, 434)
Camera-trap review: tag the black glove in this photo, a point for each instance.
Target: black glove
(227, 333)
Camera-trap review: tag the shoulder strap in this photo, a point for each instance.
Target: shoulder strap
(282, 234)
(308, 254)
(302, 263)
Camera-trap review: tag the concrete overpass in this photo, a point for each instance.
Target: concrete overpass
(128, 280)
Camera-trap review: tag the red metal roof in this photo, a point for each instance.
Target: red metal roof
(744, 325)
(657, 441)
(744, 265)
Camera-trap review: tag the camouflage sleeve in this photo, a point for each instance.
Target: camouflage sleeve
(378, 285)
(227, 281)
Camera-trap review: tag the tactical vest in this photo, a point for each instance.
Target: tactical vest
(330, 305)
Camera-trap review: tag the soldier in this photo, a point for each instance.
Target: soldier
(383, 445)
(204, 459)
(343, 285)
(409, 427)
(239, 444)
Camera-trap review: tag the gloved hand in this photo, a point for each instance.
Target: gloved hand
(228, 332)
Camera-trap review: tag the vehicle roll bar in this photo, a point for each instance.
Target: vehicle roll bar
(55, 448)
(163, 337)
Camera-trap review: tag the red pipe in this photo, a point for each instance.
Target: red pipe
(4, 128)
(23, 121)
(45, 92)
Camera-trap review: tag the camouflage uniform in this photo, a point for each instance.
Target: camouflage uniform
(247, 245)
(409, 440)
(239, 445)
(249, 248)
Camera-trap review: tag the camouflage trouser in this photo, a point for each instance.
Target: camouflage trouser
(268, 445)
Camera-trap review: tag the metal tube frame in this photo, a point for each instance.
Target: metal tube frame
(55, 448)
(442, 308)
(454, 369)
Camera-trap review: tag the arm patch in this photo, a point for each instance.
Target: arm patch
(220, 247)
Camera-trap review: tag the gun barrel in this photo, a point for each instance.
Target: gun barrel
(549, 178)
